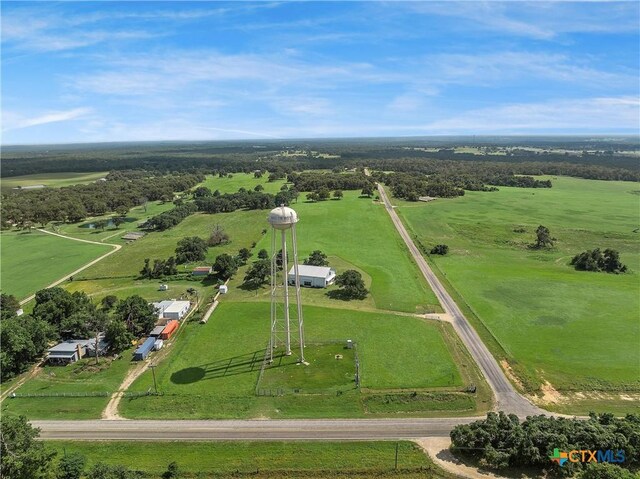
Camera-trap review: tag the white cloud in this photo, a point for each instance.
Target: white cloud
(13, 121)
(590, 114)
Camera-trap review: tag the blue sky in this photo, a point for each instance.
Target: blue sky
(126, 71)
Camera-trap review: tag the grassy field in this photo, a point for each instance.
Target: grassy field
(273, 459)
(576, 330)
(78, 378)
(219, 362)
(31, 261)
(51, 179)
(240, 180)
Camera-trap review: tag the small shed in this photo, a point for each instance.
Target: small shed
(223, 289)
(313, 276)
(156, 332)
(163, 287)
(133, 235)
(157, 345)
(201, 271)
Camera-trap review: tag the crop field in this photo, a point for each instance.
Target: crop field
(576, 330)
(31, 261)
(82, 377)
(314, 459)
(219, 363)
(52, 179)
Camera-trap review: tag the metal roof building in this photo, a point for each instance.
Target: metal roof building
(313, 276)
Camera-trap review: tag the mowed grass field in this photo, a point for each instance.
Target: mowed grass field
(52, 180)
(241, 180)
(214, 368)
(577, 330)
(272, 459)
(31, 261)
(82, 377)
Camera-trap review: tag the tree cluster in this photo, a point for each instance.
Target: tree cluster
(596, 260)
(440, 249)
(501, 441)
(160, 268)
(74, 203)
(169, 219)
(317, 258)
(229, 202)
(258, 273)
(313, 181)
(351, 285)
(410, 186)
(191, 249)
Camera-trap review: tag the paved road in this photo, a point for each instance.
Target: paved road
(507, 398)
(249, 430)
(116, 247)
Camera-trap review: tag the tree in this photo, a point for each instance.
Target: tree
(191, 249)
(323, 194)
(543, 238)
(367, 190)
(71, 466)
(218, 236)
(122, 211)
(258, 188)
(263, 254)
(351, 284)
(102, 224)
(225, 266)
(108, 302)
(244, 254)
(22, 341)
(257, 274)
(313, 197)
(22, 456)
(338, 194)
(97, 323)
(146, 270)
(8, 306)
(317, 258)
(202, 192)
(172, 472)
(441, 249)
(118, 336)
(117, 221)
(605, 471)
(139, 316)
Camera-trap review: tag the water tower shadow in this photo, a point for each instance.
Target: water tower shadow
(232, 366)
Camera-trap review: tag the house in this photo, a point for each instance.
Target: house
(67, 352)
(133, 235)
(313, 276)
(103, 346)
(201, 271)
(172, 309)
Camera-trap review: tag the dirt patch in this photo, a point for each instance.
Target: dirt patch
(550, 395)
(510, 374)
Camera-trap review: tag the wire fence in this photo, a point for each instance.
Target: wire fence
(61, 395)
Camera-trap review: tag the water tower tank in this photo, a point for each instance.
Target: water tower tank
(282, 217)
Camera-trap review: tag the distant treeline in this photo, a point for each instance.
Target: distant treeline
(331, 181)
(120, 192)
(385, 155)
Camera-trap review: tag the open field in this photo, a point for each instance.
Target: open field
(576, 330)
(315, 459)
(241, 180)
(31, 261)
(219, 362)
(78, 378)
(52, 179)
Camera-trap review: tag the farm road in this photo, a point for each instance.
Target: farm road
(116, 247)
(507, 398)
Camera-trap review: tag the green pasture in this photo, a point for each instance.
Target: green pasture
(241, 180)
(81, 377)
(219, 363)
(33, 260)
(577, 330)
(54, 180)
(271, 459)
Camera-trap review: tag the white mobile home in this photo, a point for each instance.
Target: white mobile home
(172, 309)
(313, 276)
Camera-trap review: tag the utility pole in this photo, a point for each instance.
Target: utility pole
(153, 371)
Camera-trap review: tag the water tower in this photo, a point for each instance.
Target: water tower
(283, 219)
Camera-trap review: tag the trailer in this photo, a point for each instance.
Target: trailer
(169, 329)
(144, 349)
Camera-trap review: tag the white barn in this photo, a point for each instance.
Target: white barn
(172, 309)
(313, 276)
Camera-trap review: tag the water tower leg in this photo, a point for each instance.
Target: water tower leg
(285, 274)
(298, 299)
(274, 299)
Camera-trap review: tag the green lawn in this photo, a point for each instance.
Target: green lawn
(80, 377)
(241, 180)
(31, 261)
(577, 330)
(52, 179)
(273, 459)
(218, 363)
